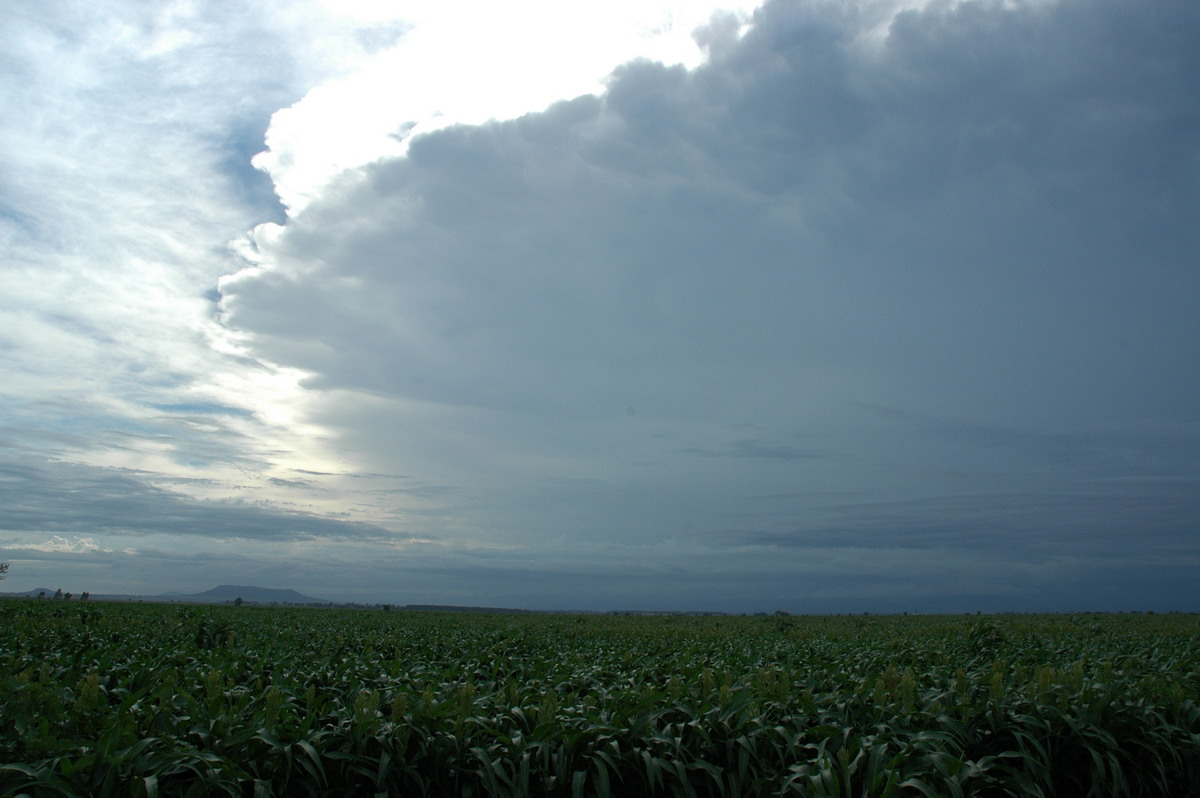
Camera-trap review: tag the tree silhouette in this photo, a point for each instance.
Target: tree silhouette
(3, 569)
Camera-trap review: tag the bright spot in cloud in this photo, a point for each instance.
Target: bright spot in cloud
(61, 545)
(467, 63)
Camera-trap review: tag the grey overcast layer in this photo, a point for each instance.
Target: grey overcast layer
(878, 307)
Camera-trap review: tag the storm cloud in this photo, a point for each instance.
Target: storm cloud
(877, 306)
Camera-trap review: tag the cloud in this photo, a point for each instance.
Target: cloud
(85, 501)
(880, 305)
(795, 206)
(60, 544)
(759, 449)
(969, 211)
(493, 68)
(1098, 521)
(126, 172)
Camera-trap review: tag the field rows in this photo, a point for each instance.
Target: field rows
(112, 699)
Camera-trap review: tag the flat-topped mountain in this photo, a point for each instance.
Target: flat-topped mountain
(257, 595)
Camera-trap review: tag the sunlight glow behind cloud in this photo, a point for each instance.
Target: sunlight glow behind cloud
(467, 63)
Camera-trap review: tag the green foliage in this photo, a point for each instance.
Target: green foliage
(127, 699)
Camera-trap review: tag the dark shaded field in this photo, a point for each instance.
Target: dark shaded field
(127, 699)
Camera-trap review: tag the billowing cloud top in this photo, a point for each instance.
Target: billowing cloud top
(873, 308)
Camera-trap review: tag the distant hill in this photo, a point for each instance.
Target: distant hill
(218, 595)
(248, 593)
(33, 593)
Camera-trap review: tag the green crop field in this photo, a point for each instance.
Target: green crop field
(132, 699)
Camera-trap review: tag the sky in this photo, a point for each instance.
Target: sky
(809, 305)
